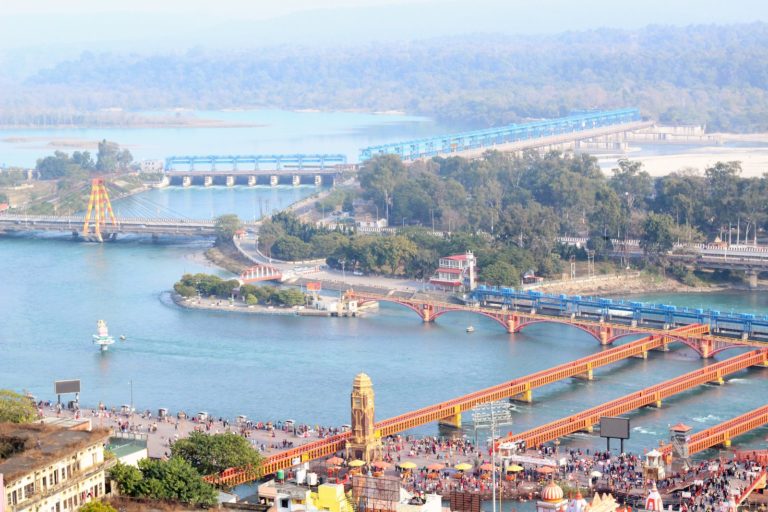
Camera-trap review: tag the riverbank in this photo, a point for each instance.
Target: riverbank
(225, 255)
(624, 284)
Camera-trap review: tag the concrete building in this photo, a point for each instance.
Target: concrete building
(456, 273)
(50, 469)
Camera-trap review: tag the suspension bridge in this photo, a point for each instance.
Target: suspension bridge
(100, 223)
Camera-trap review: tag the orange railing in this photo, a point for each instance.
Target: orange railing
(330, 445)
(653, 394)
(724, 432)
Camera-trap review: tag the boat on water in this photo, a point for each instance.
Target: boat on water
(470, 329)
(102, 337)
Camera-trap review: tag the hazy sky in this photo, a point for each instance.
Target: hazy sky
(36, 31)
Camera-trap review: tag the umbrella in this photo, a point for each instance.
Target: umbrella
(334, 461)
(463, 466)
(487, 467)
(381, 464)
(407, 465)
(595, 474)
(514, 468)
(356, 463)
(436, 466)
(545, 470)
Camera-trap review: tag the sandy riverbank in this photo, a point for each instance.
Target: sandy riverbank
(752, 153)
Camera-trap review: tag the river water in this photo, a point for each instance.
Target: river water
(288, 367)
(274, 367)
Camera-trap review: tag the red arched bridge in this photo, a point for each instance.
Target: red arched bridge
(514, 321)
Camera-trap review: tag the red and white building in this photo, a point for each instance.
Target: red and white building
(456, 273)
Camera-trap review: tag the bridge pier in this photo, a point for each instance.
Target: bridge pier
(230, 181)
(606, 331)
(273, 181)
(318, 180)
(427, 312)
(513, 323)
(453, 421)
(588, 375)
(208, 181)
(296, 180)
(251, 181)
(752, 279)
(525, 397)
(186, 181)
(706, 345)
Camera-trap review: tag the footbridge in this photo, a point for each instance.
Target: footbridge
(723, 433)
(518, 137)
(605, 332)
(450, 411)
(653, 395)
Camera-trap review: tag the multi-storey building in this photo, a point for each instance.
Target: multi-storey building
(456, 273)
(50, 469)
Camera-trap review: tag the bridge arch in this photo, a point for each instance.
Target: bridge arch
(495, 318)
(554, 321)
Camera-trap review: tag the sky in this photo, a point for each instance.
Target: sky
(39, 32)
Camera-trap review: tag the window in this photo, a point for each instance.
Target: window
(29, 489)
(283, 503)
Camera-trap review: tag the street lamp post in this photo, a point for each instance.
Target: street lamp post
(491, 416)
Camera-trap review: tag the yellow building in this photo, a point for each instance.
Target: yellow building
(50, 469)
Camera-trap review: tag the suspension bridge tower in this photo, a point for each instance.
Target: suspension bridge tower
(99, 207)
(364, 444)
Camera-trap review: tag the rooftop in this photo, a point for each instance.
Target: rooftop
(25, 448)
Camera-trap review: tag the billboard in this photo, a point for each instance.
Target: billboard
(66, 386)
(614, 427)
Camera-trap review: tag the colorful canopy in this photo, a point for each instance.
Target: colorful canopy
(463, 466)
(436, 466)
(334, 461)
(356, 463)
(545, 470)
(408, 465)
(487, 467)
(514, 468)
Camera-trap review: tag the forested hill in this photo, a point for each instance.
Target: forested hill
(700, 74)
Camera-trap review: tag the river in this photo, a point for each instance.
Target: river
(271, 367)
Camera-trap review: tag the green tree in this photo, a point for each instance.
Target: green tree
(500, 273)
(16, 408)
(173, 480)
(378, 177)
(291, 248)
(215, 453)
(52, 167)
(631, 182)
(97, 506)
(226, 227)
(251, 299)
(658, 235)
(106, 158)
(127, 477)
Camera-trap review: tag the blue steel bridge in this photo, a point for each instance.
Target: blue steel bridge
(273, 162)
(565, 129)
(638, 313)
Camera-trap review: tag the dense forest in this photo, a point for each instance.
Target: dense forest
(711, 74)
(510, 210)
